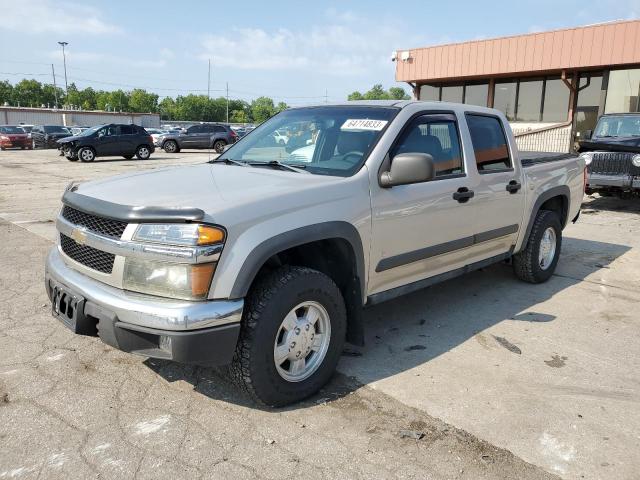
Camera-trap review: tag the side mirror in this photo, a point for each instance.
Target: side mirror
(587, 134)
(407, 168)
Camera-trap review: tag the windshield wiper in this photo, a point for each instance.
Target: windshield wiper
(276, 164)
(228, 161)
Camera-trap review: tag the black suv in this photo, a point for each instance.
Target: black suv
(46, 136)
(108, 141)
(205, 135)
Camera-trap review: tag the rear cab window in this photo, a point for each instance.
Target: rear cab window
(489, 143)
(436, 135)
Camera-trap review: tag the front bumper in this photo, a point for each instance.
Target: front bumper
(596, 180)
(203, 333)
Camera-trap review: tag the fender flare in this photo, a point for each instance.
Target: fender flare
(558, 191)
(293, 238)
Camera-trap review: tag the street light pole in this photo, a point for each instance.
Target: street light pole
(64, 60)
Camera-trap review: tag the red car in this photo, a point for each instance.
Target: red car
(14, 137)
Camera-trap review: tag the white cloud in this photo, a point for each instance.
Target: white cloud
(46, 16)
(344, 45)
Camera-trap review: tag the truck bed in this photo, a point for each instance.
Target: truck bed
(532, 158)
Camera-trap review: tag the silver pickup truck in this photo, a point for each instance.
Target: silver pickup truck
(263, 259)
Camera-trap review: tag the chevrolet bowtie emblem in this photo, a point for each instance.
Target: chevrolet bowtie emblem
(79, 235)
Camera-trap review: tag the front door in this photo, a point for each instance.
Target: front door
(107, 140)
(421, 230)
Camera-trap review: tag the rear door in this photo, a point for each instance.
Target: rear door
(498, 190)
(127, 139)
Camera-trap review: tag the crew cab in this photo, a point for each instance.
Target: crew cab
(612, 152)
(205, 135)
(265, 262)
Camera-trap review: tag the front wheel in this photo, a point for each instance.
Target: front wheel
(143, 152)
(86, 154)
(170, 146)
(293, 331)
(537, 262)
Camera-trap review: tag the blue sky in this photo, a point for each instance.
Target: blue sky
(293, 51)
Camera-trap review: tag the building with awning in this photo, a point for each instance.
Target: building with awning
(552, 86)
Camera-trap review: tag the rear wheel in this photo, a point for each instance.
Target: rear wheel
(537, 262)
(293, 331)
(171, 146)
(219, 145)
(86, 154)
(143, 152)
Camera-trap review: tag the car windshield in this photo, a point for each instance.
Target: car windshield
(55, 129)
(323, 140)
(11, 130)
(618, 126)
(90, 131)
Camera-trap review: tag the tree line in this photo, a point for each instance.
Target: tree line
(32, 93)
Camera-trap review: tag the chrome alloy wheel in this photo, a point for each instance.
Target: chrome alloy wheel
(144, 153)
(302, 341)
(547, 251)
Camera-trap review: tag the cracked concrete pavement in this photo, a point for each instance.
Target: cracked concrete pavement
(549, 372)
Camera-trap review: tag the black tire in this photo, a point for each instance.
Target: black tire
(71, 158)
(526, 263)
(128, 157)
(219, 145)
(86, 154)
(171, 146)
(143, 152)
(269, 301)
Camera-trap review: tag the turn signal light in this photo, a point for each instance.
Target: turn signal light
(208, 235)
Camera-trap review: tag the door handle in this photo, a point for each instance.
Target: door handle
(513, 186)
(463, 195)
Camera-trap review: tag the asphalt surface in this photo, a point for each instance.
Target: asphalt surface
(481, 377)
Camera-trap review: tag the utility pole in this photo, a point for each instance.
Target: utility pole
(209, 81)
(227, 102)
(64, 60)
(55, 88)
(326, 96)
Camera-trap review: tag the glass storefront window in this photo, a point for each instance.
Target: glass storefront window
(590, 87)
(452, 94)
(556, 101)
(476, 94)
(529, 101)
(505, 99)
(623, 91)
(429, 93)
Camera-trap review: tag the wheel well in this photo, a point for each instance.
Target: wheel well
(558, 204)
(335, 258)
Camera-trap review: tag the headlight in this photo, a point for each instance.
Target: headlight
(183, 281)
(636, 160)
(190, 234)
(588, 157)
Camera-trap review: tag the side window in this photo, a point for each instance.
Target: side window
(127, 130)
(194, 129)
(435, 137)
(489, 143)
(218, 129)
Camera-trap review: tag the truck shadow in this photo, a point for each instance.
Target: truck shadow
(596, 203)
(417, 328)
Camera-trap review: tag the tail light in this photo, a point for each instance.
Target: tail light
(150, 139)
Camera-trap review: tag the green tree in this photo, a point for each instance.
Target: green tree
(398, 93)
(262, 109)
(167, 108)
(379, 93)
(27, 93)
(355, 96)
(6, 92)
(281, 106)
(142, 101)
(238, 116)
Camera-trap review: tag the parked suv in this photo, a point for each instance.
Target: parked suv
(46, 136)
(612, 152)
(108, 141)
(205, 135)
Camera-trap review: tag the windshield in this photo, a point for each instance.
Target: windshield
(55, 129)
(90, 131)
(323, 140)
(618, 126)
(11, 130)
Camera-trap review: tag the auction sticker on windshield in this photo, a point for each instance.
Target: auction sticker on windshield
(363, 124)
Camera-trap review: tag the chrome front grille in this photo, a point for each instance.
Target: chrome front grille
(613, 163)
(86, 255)
(100, 225)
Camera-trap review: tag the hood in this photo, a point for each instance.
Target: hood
(14, 136)
(613, 144)
(218, 189)
(68, 138)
